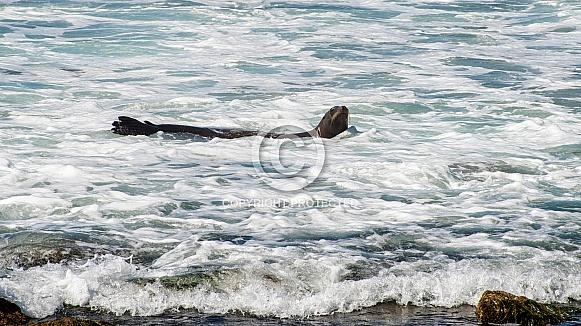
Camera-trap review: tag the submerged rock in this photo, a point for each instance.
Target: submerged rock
(10, 314)
(27, 256)
(499, 307)
(187, 281)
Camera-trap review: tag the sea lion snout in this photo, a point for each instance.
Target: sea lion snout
(338, 110)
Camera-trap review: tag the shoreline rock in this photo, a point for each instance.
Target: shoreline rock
(495, 307)
(499, 307)
(11, 315)
(69, 321)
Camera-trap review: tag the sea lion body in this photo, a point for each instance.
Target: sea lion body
(334, 122)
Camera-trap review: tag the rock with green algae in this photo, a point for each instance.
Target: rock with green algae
(499, 307)
(186, 281)
(10, 314)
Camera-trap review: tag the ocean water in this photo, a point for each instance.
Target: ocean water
(461, 171)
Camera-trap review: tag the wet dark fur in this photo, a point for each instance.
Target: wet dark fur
(333, 123)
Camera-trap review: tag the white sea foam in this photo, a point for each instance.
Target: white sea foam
(299, 287)
(463, 175)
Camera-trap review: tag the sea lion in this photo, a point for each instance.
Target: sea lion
(333, 123)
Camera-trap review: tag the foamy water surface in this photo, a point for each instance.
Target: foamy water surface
(464, 174)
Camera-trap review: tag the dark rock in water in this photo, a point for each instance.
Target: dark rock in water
(27, 256)
(70, 322)
(10, 314)
(499, 307)
(186, 281)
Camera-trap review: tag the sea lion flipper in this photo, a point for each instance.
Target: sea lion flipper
(129, 126)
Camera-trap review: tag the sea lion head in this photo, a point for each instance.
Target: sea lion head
(334, 122)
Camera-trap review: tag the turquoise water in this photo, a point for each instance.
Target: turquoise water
(461, 172)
